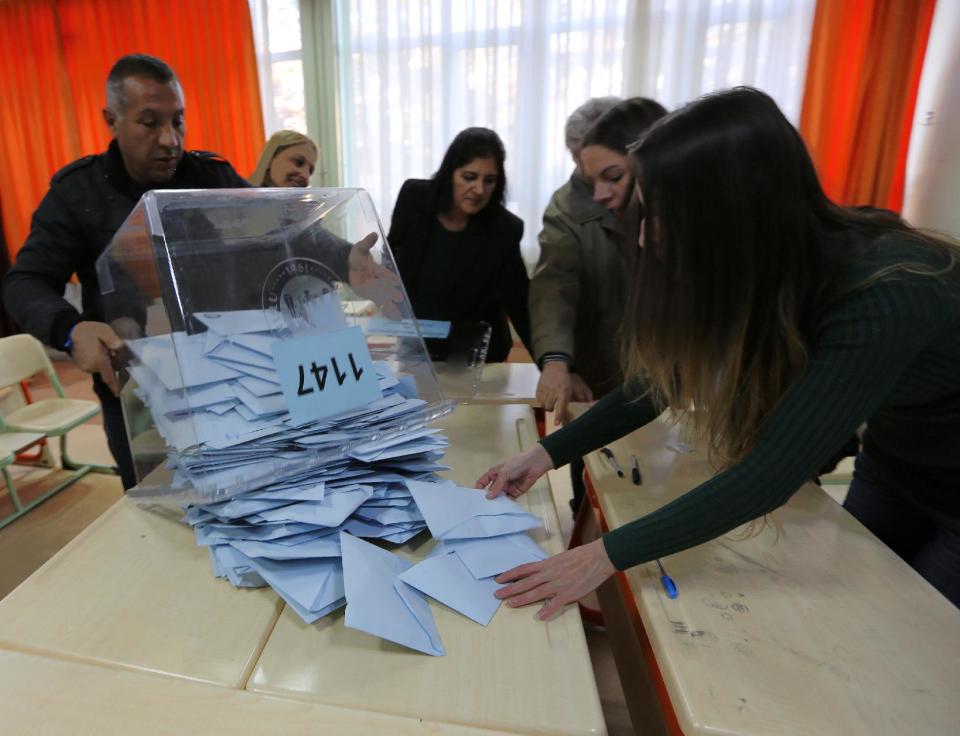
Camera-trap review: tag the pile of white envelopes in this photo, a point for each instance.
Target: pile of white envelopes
(216, 400)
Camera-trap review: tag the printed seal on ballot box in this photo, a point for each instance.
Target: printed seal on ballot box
(295, 286)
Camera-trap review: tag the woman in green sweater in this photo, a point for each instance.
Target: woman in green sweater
(789, 322)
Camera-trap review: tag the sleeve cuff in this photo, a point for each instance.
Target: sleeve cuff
(555, 356)
(62, 324)
(615, 551)
(554, 452)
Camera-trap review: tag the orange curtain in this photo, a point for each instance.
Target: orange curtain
(55, 55)
(36, 134)
(863, 74)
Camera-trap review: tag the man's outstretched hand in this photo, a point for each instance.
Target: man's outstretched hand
(372, 281)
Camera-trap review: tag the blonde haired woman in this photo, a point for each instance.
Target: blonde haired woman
(288, 160)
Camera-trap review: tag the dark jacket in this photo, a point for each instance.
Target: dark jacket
(580, 288)
(490, 282)
(88, 201)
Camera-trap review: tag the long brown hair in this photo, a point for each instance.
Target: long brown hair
(742, 250)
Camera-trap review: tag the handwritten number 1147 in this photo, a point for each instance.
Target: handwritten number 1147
(320, 373)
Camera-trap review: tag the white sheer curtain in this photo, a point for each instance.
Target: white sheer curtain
(413, 73)
(276, 40)
(680, 49)
(416, 72)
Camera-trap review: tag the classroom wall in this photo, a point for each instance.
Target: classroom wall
(933, 163)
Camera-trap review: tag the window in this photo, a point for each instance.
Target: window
(415, 73)
(276, 32)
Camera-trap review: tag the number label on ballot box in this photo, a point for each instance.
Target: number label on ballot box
(327, 374)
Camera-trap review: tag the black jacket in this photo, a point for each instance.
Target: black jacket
(491, 282)
(88, 201)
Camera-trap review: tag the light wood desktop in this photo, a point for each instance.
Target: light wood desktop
(134, 592)
(818, 628)
(39, 695)
(518, 674)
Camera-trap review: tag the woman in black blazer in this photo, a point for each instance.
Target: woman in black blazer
(458, 248)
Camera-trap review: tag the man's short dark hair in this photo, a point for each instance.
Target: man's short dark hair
(135, 65)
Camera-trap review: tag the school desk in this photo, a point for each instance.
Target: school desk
(815, 628)
(517, 674)
(134, 592)
(54, 697)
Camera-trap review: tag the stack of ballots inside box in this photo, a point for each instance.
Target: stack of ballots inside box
(278, 388)
(298, 524)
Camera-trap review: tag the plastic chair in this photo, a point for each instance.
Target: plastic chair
(11, 444)
(22, 356)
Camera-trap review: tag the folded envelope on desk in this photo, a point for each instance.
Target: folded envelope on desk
(485, 558)
(400, 449)
(381, 604)
(313, 587)
(237, 508)
(445, 578)
(230, 564)
(331, 511)
(453, 512)
(209, 534)
(305, 491)
(326, 546)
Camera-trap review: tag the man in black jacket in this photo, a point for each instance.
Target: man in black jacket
(88, 201)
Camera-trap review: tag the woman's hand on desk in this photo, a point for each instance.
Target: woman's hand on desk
(515, 475)
(562, 579)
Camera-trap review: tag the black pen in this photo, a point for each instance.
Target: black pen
(613, 461)
(635, 470)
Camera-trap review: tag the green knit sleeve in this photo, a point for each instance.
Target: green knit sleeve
(862, 348)
(615, 415)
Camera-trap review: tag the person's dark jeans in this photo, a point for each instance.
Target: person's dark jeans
(116, 432)
(914, 510)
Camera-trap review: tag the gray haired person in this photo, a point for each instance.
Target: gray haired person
(578, 291)
(582, 119)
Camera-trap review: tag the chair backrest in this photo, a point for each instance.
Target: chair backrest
(22, 356)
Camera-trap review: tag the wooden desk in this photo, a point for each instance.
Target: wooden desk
(39, 695)
(113, 634)
(134, 590)
(518, 674)
(820, 630)
(500, 383)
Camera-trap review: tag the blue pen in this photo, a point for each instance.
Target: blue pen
(668, 585)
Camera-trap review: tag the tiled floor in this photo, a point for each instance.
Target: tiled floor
(30, 541)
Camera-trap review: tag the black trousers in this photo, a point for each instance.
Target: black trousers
(914, 510)
(116, 432)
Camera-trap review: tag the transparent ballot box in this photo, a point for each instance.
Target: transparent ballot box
(266, 333)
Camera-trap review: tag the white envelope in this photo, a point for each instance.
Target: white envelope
(453, 512)
(381, 604)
